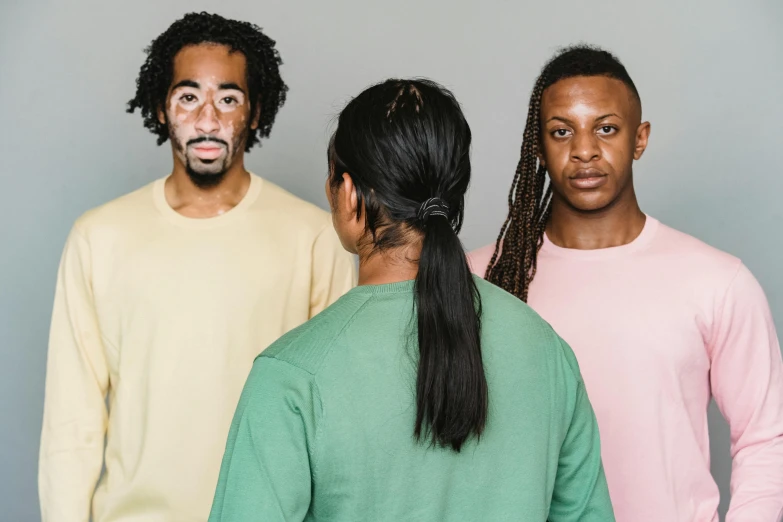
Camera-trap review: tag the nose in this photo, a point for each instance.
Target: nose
(207, 122)
(585, 148)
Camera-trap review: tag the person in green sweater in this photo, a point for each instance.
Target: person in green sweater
(424, 393)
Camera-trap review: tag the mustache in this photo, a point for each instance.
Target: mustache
(205, 139)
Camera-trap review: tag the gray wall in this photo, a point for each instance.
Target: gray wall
(709, 73)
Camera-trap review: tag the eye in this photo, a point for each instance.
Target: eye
(187, 98)
(608, 129)
(229, 100)
(560, 133)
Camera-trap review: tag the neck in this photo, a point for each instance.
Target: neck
(190, 200)
(392, 266)
(616, 225)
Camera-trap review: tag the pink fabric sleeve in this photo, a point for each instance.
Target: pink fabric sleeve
(747, 383)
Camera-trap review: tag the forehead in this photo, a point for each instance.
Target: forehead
(591, 93)
(210, 62)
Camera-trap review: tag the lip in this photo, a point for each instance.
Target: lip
(207, 152)
(586, 179)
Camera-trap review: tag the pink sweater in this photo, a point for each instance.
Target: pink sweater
(658, 326)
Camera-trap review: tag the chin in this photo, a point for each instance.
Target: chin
(205, 179)
(590, 202)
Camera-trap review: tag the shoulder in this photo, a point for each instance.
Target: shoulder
(497, 301)
(700, 262)
(688, 249)
(503, 311)
(294, 211)
(308, 345)
(510, 325)
(116, 214)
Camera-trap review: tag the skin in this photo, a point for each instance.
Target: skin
(207, 102)
(375, 268)
(591, 133)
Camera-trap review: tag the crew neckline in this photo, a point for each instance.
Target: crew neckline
(159, 197)
(386, 288)
(642, 240)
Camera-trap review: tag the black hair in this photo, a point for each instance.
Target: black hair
(513, 264)
(406, 146)
(263, 75)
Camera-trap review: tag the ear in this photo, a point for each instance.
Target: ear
(161, 115)
(349, 199)
(256, 115)
(642, 135)
(540, 154)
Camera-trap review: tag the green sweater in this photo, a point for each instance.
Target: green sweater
(324, 428)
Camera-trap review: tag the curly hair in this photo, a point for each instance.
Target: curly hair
(513, 264)
(263, 75)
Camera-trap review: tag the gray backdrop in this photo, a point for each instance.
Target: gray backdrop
(709, 73)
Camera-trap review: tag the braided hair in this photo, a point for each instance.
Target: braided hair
(513, 264)
(263, 75)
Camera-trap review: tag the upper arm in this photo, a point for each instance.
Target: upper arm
(746, 371)
(77, 371)
(77, 380)
(266, 472)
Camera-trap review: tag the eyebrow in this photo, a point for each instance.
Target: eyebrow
(566, 120)
(186, 83)
(230, 86)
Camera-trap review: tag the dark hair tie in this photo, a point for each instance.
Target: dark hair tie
(432, 207)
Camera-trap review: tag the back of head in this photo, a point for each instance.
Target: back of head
(406, 144)
(513, 265)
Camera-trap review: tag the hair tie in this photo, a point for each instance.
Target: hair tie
(432, 207)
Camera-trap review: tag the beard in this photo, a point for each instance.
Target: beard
(209, 179)
(206, 173)
(203, 173)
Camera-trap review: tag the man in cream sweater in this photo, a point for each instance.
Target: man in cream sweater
(165, 295)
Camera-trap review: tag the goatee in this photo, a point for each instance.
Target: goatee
(204, 181)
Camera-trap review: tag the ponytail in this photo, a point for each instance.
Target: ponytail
(451, 388)
(403, 141)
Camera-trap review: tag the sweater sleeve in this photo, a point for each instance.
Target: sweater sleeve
(580, 491)
(77, 380)
(334, 271)
(266, 469)
(747, 382)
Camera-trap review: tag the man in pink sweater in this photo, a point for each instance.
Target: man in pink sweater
(659, 321)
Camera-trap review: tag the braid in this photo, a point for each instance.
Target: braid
(513, 266)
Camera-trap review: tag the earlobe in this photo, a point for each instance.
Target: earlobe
(540, 156)
(642, 137)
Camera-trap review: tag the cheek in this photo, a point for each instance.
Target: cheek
(181, 120)
(556, 155)
(615, 156)
(233, 127)
(177, 114)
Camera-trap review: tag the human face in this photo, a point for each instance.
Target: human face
(207, 110)
(591, 133)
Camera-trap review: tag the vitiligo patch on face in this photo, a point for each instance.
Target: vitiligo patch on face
(206, 110)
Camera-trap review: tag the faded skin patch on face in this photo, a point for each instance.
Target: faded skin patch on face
(207, 107)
